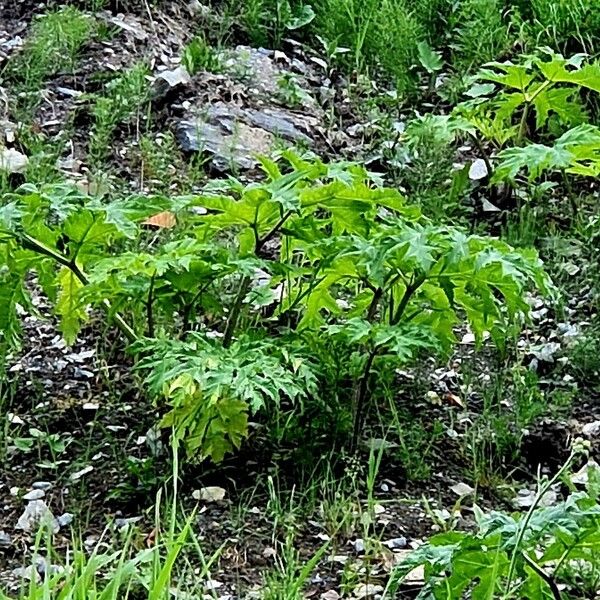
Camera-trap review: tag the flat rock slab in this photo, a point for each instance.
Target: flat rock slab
(234, 136)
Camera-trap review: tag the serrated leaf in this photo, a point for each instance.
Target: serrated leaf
(68, 304)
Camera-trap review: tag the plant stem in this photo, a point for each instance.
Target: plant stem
(411, 288)
(547, 578)
(234, 314)
(377, 295)
(525, 522)
(570, 193)
(260, 242)
(360, 398)
(149, 303)
(34, 244)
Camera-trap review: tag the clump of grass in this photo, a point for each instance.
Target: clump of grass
(199, 55)
(164, 168)
(567, 25)
(124, 96)
(53, 44)
(381, 35)
(479, 33)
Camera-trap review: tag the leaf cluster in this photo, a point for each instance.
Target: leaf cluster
(221, 305)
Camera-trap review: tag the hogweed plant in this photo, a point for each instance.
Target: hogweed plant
(530, 555)
(221, 307)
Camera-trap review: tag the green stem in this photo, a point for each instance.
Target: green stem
(570, 193)
(149, 304)
(260, 242)
(360, 398)
(525, 522)
(525, 115)
(541, 573)
(234, 313)
(411, 288)
(35, 245)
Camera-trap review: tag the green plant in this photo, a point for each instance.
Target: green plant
(382, 35)
(287, 580)
(513, 102)
(290, 92)
(512, 402)
(160, 571)
(563, 24)
(124, 96)
(576, 152)
(511, 556)
(424, 155)
(53, 43)
(199, 55)
(163, 167)
(314, 250)
(479, 33)
(265, 22)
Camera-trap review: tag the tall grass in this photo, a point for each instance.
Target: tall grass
(173, 566)
(381, 35)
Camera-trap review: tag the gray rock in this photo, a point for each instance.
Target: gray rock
(233, 136)
(41, 485)
(65, 520)
(29, 573)
(5, 540)
(36, 494)
(281, 123)
(124, 522)
(44, 567)
(37, 513)
(230, 147)
(591, 429)
(12, 160)
(168, 80)
(396, 543)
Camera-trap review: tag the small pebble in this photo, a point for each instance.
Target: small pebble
(36, 494)
(41, 485)
(65, 520)
(396, 543)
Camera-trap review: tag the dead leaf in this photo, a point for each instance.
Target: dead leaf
(454, 399)
(162, 220)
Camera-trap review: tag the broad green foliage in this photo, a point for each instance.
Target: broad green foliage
(545, 89)
(212, 388)
(511, 556)
(576, 152)
(227, 298)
